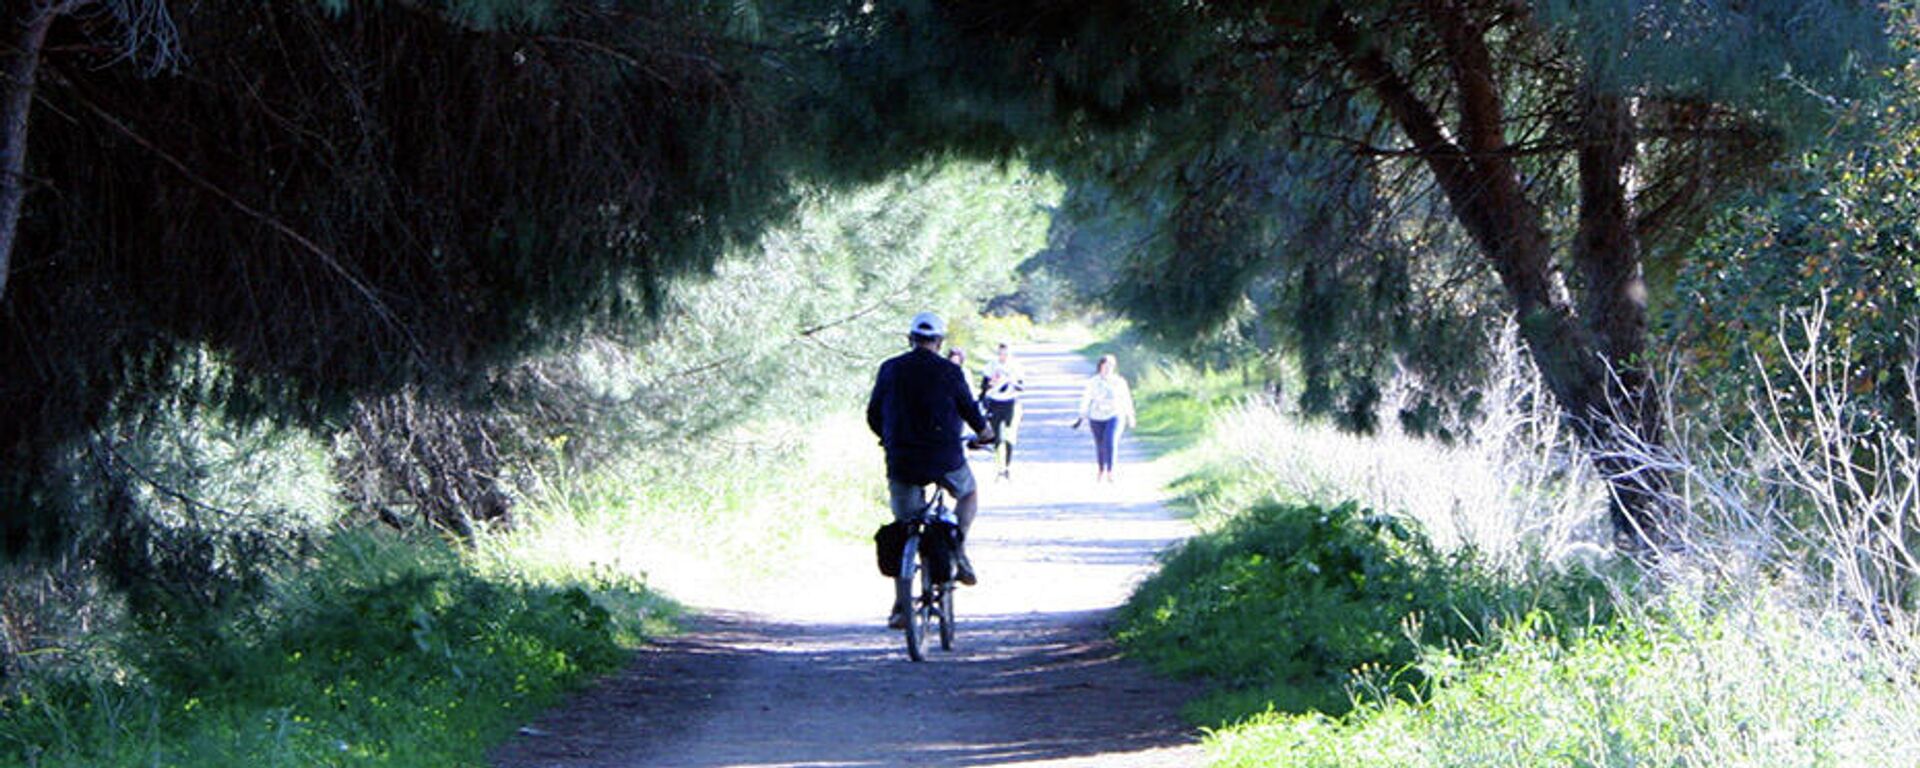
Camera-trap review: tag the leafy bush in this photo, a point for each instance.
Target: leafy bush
(1289, 606)
(1744, 683)
(387, 652)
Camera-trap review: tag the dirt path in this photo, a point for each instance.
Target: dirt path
(812, 677)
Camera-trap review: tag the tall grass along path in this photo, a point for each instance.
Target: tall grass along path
(806, 673)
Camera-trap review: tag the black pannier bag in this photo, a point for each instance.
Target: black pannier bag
(937, 548)
(888, 543)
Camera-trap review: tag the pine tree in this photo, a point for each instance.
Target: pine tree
(352, 203)
(347, 202)
(1566, 145)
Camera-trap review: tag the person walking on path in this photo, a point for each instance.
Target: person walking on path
(918, 406)
(1106, 405)
(1000, 388)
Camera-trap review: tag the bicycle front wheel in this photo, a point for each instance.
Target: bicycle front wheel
(946, 616)
(910, 589)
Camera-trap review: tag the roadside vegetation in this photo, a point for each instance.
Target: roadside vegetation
(1483, 614)
(1387, 600)
(378, 651)
(302, 597)
(1544, 375)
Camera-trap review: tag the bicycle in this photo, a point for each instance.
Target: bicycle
(929, 601)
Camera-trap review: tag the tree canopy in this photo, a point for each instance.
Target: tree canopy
(1373, 178)
(341, 201)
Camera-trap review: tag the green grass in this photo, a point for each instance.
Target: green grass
(752, 509)
(383, 652)
(1743, 683)
(408, 651)
(1450, 617)
(382, 649)
(1301, 608)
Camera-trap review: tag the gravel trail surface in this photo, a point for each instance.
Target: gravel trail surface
(808, 675)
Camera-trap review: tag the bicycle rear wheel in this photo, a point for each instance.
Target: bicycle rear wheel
(946, 616)
(912, 576)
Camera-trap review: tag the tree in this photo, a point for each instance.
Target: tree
(344, 203)
(1571, 146)
(146, 37)
(1835, 232)
(1647, 153)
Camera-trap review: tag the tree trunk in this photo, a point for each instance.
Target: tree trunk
(16, 105)
(9, 655)
(1577, 352)
(1628, 419)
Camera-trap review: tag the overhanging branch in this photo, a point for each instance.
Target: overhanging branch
(304, 243)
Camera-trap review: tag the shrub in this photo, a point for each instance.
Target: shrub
(1746, 682)
(388, 651)
(1289, 606)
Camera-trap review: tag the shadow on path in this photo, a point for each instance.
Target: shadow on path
(844, 695)
(1034, 678)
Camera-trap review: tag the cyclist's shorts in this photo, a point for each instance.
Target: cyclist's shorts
(909, 498)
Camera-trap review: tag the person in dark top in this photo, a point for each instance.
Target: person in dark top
(918, 406)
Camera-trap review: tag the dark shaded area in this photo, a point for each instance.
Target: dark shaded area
(1029, 687)
(368, 214)
(361, 218)
(337, 205)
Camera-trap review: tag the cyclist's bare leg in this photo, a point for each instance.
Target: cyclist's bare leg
(907, 499)
(963, 508)
(898, 615)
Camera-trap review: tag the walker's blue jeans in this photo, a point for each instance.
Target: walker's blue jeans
(1103, 438)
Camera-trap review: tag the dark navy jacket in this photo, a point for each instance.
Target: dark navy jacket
(918, 402)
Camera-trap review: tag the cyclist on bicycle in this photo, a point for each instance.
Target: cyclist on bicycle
(919, 402)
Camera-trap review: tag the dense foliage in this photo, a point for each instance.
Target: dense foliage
(783, 328)
(1300, 608)
(1836, 238)
(1376, 186)
(380, 654)
(424, 258)
(1327, 636)
(369, 215)
(617, 454)
(339, 203)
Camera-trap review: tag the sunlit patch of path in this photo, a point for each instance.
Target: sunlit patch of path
(808, 676)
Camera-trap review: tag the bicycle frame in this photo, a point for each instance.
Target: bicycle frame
(933, 601)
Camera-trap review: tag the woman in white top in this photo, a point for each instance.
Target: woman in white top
(1106, 404)
(1000, 388)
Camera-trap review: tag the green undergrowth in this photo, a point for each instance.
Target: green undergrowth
(1285, 602)
(1333, 633)
(388, 649)
(740, 515)
(383, 651)
(1300, 608)
(1743, 683)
